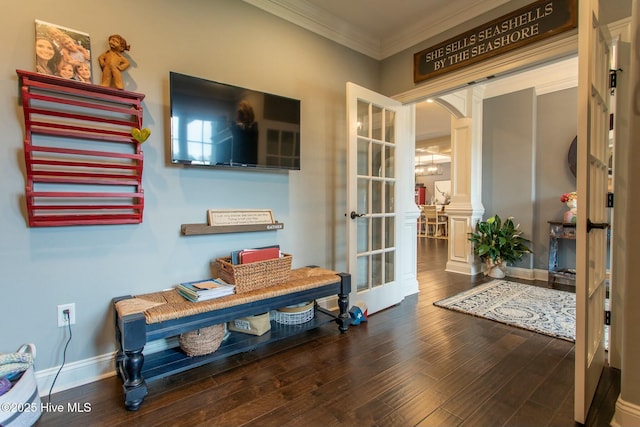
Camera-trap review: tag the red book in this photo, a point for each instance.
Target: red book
(254, 255)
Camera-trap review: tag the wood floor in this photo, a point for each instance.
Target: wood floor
(410, 365)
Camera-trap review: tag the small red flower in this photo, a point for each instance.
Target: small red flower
(568, 196)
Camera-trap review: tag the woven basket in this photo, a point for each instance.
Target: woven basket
(255, 275)
(294, 315)
(202, 341)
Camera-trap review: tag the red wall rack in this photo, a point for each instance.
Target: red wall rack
(83, 167)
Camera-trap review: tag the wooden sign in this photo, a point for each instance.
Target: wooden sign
(529, 24)
(240, 217)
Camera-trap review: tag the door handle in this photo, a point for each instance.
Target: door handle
(355, 215)
(599, 225)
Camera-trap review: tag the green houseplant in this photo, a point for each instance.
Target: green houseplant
(497, 243)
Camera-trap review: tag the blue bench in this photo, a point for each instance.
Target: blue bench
(144, 318)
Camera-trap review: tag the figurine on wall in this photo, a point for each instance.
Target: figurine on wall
(113, 62)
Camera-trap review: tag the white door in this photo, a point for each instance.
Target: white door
(373, 240)
(592, 159)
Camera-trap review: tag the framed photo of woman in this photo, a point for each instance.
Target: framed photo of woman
(63, 52)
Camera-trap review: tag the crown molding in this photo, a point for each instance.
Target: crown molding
(322, 23)
(316, 20)
(438, 22)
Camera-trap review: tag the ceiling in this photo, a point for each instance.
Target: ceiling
(381, 28)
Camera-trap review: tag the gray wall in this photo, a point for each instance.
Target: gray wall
(224, 40)
(557, 121)
(508, 160)
(524, 164)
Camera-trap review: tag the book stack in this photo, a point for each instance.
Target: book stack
(203, 290)
(246, 256)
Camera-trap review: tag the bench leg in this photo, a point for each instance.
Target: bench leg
(135, 389)
(343, 303)
(119, 352)
(131, 339)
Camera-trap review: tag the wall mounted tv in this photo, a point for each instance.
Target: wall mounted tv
(217, 124)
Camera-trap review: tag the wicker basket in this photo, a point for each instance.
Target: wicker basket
(255, 275)
(294, 315)
(202, 341)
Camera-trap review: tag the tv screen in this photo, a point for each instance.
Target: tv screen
(217, 124)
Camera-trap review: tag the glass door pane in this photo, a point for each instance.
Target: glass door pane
(375, 196)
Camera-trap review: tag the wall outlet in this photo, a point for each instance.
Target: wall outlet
(62, 319)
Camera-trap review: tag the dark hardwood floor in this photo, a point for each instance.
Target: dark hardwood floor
(410, 365)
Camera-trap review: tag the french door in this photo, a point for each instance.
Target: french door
(375, 126)
(592, 160)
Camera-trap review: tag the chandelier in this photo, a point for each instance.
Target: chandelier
(434, 169)
(419, 170)
(427, 169)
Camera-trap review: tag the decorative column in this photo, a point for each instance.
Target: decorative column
(465, 209)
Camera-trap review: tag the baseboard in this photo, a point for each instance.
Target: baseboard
(516, 272)
(328, 303)
(626, 414)
(520, 273)
(542, 275)
(75, 374)
(86, 371)
(463, 268)
(528, 274)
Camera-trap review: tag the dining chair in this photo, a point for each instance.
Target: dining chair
(422, 223)
(437, 222)
(431, 220)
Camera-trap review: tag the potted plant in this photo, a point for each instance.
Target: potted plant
(497, 243)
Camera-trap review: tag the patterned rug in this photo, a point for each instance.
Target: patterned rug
(543, 310)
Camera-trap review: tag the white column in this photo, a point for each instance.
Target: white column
(465, 209)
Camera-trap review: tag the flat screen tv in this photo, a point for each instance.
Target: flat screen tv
(217, 124)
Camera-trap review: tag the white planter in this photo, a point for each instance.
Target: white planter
(497, 271)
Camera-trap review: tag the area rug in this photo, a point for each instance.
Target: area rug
(543, 310)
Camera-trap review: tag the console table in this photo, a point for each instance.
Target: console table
(560, 231)
(143, 318)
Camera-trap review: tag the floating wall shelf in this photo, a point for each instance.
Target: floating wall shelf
(83, 167)
(199, 229)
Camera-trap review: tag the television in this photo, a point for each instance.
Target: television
(221, 125)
